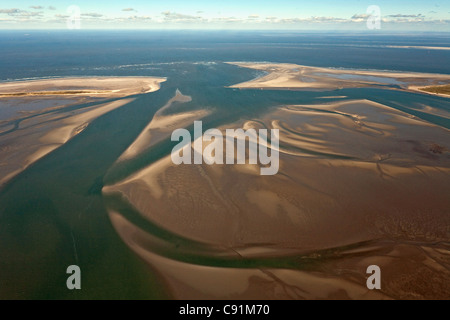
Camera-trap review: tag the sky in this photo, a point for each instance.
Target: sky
(392, 15)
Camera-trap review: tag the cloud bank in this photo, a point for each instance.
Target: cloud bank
(40, 16)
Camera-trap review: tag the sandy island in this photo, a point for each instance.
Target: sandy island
(39, 132)
(441, 91)
(353, 172)
(162, 125)
(91, 86)
(292, 76)
(360, 183)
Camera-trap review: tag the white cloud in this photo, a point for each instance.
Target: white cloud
(139, 18)
(227, 20)
(360, 16)
(178, 17)
(18, 15)
(406, 16)
(35, 14)
(10, 11)
(91, 15)
(312, 20)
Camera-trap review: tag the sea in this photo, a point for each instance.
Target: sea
(53, 214)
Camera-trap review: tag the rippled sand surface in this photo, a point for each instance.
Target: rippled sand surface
(89, 180)
(356, 176)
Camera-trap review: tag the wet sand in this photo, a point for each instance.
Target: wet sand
(298, 77)
(411, 271)
(353, 173)
(359, 184)
(441, 91)
(419, 47)
(162, 126)
(43, 134)
(35, 133)
(90, 86)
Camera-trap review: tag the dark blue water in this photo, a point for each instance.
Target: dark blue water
(27, 54)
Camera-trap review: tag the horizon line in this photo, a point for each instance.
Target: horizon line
(371, 32)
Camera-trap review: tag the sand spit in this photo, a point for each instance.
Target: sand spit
(43, 129)
(441, 91)
(189, 281)
(419, 47)
(350, 172)
(21, 99)
(162, 125)
(367, 146)
(90, 86)
(338, 273)
(41, 135)
(292, 76)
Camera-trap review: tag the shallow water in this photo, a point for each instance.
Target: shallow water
(54, 214)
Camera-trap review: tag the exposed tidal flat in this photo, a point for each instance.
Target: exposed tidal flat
(37, 132)
(364, 179)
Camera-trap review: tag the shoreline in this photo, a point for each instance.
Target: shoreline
(292, 76)
(81, 86)
(421, 89)
(55, 136)
(44, 130)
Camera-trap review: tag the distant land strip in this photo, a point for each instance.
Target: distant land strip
(419, 47)
(53, 93)
(438, 89)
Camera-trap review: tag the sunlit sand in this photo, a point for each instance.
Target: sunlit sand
(352, 172)
(43, 131)
(292, 76)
